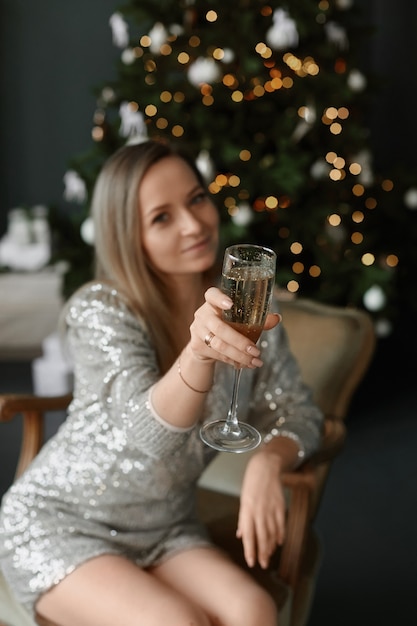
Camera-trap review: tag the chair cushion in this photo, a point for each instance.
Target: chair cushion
(327, 342)
(11, 613)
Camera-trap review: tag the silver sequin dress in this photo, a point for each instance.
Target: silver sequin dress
(116, 478)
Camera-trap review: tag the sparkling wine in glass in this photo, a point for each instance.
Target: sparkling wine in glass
(248, 277)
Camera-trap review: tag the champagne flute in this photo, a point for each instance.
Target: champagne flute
(248, 277)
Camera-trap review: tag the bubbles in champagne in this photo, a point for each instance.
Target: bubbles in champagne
(250, 289)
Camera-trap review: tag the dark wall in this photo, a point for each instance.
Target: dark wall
(391, 54)
(52, 54)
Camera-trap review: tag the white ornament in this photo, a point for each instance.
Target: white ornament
(374, 298)
(176, 30)
(87, 231)
(243, 215)
(75, 189)
(119, 29)
(343, 5)
(40, 226)
(52, 373)
(128, 56)
(31, 258)
(410, 198)
(18, 227)
(336, 35)
(366, 176)
(228, 56)
(135, 139)
(132, 121)
(336, 233)
(203, 70)
(107, 94)
(320, 169)
(383, 328)
(283, 32)
(306, 123)
(19, 249)
(356, 80)
(158, 36)
(205, 165)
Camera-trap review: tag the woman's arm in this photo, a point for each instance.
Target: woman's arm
(179, 395)
(115, 366)
(282, 407)
(261, 523)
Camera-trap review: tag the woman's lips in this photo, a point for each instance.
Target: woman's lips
(198, 245)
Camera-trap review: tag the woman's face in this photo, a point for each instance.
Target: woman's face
(179, 222)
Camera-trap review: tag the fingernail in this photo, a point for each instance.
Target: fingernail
(257, 362)
(253, 350)
(226, 303)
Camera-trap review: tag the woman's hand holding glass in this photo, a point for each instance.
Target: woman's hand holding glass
(248, 277)
(226, 344)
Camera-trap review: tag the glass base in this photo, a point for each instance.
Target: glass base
(220, 436)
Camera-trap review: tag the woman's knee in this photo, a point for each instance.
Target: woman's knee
(174, 612)
(255, 608)
(183, 613)
(138, 598)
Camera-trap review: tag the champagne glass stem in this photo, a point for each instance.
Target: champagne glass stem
(232, 423)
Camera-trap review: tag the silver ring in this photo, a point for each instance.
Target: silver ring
(208, 339)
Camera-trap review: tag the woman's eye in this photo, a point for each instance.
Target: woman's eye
(160, 218)
(199, 197)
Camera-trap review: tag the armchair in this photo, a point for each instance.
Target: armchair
(334, 346)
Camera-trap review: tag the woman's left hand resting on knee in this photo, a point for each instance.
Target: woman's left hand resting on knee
(261, 524)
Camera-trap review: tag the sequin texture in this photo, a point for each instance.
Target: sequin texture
(114, 479)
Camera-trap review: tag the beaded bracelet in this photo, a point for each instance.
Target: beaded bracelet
(185, 382)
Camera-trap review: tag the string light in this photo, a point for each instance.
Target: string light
(194, 41)
(358, 217)
(368, 259)
(211, 16)
(296, 247)
(165, 96)
(183, 58)
(245, 155)
(392, 260)
(314, 271)
(271, 202)
(355, 169)
(298, 267)
(293, 286)
(356, 238)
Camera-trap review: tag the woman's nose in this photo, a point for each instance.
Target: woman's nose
(189, 222)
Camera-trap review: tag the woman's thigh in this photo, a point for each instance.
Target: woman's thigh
(228, 594)
(109, 590)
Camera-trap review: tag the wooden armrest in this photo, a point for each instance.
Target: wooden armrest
(303, 484)
(334, 435)
(32, 408)
(333, 439)
(13, 404)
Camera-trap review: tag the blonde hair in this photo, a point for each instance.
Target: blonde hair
(119, 256)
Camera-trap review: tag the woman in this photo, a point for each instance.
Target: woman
(101, 529)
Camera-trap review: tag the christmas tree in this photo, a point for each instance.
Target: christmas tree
(271, 99)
